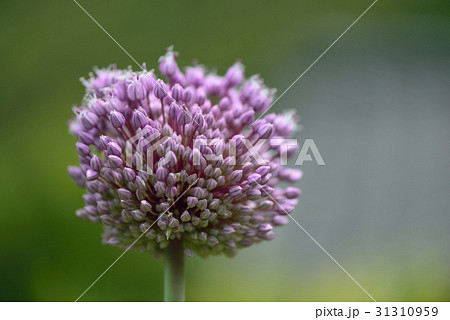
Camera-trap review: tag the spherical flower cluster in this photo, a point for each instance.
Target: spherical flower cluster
(175, 158)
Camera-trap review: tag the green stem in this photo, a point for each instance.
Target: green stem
(174, 272)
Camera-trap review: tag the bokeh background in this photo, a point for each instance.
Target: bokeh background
(377, 106)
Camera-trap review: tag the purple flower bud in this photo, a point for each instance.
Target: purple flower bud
(235, 75)
(269, 235)
(161, 173)
(162, 225)
(174, 110)
(160, 187)
(254, 194)
(254, 179)
(107, 220)
(160, 90)
(86, 138)
(82, 149)
(288, 174)
(103, 142)
(205, 214)
(143, 227)
(230, 244)
(114, 149)
(265, 227)
(140, 195)
(171, 192)
(202, 204)
(129, 174)
(201, 97)
(191, 202)
(91, 175)
(114, 241)
(246, 209)
(199, 120)
(225, 103)
(81, 213)
(124, 194)
(90, 198)
(173, 223)
(120, 91)
(171, 179)
(214, 84)
(263, 170)
(236, 176)
(209, 118)
(292, 193)
(117, 119)
(99, 108)
(270, 117)
(280, 220)
(143, 175)
(115, 161)
(188, 94)
(96, 163)
(76, 174)
(191, 178)
(139, 120)
(266, 190)
(198, 192)
(248, 117)
(171, 158)
(265, 131)
(212, 241)
(92, 210)
(89, 120)
(295, 175)
(84, 162)
(103, 206)
(209, 170)
(163, 207)
(109, 174)
(148, 81)
(258, 124)
(235, 191)
(138, 215)
(266, 178)
(136, 90)
(247, 168)
(167, 63)
(259, 103)
(285, 209)
(184, 117)
(214, 204)
(145, 206)
(140, 183)
(266, 204)
(177, 92)
(195, 76)
(185, 216)
(195, 220)
(228, 230)
(151, 234)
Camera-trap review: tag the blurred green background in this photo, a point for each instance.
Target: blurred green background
(377, 106)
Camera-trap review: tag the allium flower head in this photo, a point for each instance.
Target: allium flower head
(176, 158)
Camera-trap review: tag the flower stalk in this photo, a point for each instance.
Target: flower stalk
(174, 272)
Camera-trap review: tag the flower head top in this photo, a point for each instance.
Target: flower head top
(182, 158)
